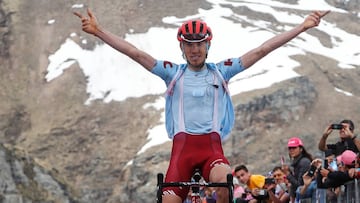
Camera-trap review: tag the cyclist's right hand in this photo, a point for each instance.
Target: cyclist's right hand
(89, 25)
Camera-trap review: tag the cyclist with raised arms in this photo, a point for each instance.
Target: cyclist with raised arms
(199, 111)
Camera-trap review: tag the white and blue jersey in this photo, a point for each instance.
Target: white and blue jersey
(198, 102)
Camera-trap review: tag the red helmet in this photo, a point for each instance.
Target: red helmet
(194, 31)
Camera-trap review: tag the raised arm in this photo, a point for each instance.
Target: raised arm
(322, 142)
(256, 54)
(91, 26)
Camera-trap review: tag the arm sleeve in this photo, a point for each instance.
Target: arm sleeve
(335, 179)
(165, 70)
(230, 67)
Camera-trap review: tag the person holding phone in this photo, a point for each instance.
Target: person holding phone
(348, 140)
(308, 189)
(300, 164)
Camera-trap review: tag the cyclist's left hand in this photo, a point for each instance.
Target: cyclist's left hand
(314, 19)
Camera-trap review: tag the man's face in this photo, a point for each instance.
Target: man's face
(345, 131)
(243, 176)
(330, 158)
(195, 53)
(279, 176)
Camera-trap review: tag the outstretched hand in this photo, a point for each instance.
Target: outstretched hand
(89, 25)
(307, 179)
(314, 19)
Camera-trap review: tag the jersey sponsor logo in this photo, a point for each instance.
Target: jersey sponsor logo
(167, 63)
(228, 62)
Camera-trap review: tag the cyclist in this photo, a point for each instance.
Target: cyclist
(199, 112)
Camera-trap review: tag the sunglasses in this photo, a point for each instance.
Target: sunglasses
(194, 37)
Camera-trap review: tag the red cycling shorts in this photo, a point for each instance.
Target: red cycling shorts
(190, 152)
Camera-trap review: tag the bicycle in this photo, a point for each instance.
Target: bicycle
(194, 186)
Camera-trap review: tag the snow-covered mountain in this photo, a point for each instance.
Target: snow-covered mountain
(109, 72)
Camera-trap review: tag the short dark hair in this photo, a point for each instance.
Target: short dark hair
(351, 124)
(241, 167)
(277, 168)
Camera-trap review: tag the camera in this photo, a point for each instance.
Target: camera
(336, 126)
(269, 181)
(311, 171)
(262, 192)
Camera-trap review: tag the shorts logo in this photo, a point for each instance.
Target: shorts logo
(169, 192)
(217, 162)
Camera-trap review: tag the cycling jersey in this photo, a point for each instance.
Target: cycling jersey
(208, 106)
(199, 115)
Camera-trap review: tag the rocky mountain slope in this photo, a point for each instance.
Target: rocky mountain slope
(56, 149)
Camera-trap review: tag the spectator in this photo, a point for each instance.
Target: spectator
(308, 189)
(330, 160)
(254, 183)
(279, 191)
(348, 158)
(301, 160)
(209, 195)
(331, 165)
(355, 172)
(238, 189)
(240, 195)
(347, 138)
(335, 179)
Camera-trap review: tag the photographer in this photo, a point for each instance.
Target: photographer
(330, 164)
(335, 179)
(278, 186)
(348, 140)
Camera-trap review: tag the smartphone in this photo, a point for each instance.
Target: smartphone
(337, 126)
(333, 165)
(311, 171)
(326, 163)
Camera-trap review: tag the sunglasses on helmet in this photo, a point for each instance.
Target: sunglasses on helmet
(194, 37)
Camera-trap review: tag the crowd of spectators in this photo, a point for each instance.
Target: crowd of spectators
(315, 179)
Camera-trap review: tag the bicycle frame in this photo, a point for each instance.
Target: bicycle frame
(195, 187)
